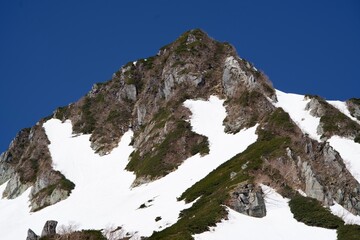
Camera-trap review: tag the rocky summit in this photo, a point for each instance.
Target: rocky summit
(192, 143)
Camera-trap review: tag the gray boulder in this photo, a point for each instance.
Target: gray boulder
(249, 200)
(49, 229)
(31, 235)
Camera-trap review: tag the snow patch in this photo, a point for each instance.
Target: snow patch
(350, 153)
(295, 104)
(278, 224)
(341, 106)
(344, 214)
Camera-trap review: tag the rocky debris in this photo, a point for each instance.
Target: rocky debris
(49, 229)
(249, 200)
(31, 235)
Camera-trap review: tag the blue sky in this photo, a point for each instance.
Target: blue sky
(51, 52)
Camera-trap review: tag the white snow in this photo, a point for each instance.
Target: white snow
(347, 216)
(278, 224)
(103, 197)
(341, 106)
(295, 104)
(350, 153)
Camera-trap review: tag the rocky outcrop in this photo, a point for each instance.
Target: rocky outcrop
(249, 200)
(31, 235)
(326, 177)
(234, 75)
(49, 229)
(353, 105)
(15, 187)
(332, 121)
(27, 163)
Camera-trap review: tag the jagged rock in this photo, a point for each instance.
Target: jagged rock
(354, 107)
(57, 195)
(141, 113)
(130, 91)
(315, 108)
(6, 170)
(233, 75)
(49, 229)
(31, 235)
(248, 200)
(312, 187)
(14, 187)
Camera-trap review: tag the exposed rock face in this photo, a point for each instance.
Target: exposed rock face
(27, 163)
(31, 235)
(248, 200)
(326, 177)
(49, 229)
(312, 186)
(234, 75)
(315, 107)
(332, 121)
(353, 105)
(14, 187)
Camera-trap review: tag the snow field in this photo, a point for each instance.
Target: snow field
(295, 104)
(341, 106)
(278, 224)
(103, 195)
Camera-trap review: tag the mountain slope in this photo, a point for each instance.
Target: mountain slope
(172, 142)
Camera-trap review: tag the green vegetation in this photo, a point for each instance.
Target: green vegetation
(148, 63)
(355, 101)
(312, 213)
(352, 108)
(335, 122)
(280, 119)
(248, 98)
(213, 190)
(113, 115)
(154, 163)
(184, 46)
(63, 183)
(348, 232)
(61, 113)
(87, 122)
(202, 147)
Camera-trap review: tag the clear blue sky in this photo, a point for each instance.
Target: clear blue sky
(51, 52)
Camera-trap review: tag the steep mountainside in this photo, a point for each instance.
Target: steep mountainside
(208, 135)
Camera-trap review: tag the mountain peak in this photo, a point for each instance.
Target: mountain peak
(195, 102)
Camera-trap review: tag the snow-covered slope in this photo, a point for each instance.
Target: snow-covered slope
(103, 197)
(295, 105)
(343, 108)
(278, 224)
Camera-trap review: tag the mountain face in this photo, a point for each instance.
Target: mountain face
(182, 141)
